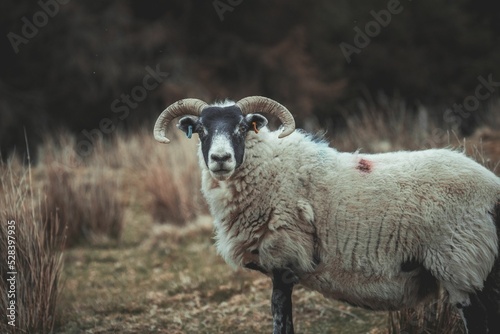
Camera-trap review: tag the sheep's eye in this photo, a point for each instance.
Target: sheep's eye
(242, 128)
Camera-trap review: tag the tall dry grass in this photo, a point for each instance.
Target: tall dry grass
(90, 193)
(385, 124)
(167, 175)
(484, 147)
(38, 254)
(86, 195)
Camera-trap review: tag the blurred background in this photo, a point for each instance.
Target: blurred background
(64, 63)
(112, 233)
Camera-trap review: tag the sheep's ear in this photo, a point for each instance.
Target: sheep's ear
(256, 121)
(188, 124)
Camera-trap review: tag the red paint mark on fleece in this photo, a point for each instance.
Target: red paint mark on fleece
(364, 166)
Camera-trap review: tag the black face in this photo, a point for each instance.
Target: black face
(222, 132)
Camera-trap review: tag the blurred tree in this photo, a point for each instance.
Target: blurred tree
(88, 54)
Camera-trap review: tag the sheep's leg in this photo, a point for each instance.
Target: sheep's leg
(475, 317)
(490, 296)
(281, 302)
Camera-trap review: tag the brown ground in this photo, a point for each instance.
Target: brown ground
(165, 279)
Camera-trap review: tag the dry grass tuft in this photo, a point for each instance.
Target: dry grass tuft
(86, 203)
(85, 196)
(384, 125)
(90, 197)
(170, 176)
(38, 254)
(484, 146)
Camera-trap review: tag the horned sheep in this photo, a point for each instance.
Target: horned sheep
(380, 231)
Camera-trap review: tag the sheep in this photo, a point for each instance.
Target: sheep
(379, 231)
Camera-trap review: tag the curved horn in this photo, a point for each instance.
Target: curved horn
(266, 105)
(179, 108)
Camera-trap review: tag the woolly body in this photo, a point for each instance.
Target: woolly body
(347, 223)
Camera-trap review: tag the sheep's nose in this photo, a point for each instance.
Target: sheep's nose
(220, 157)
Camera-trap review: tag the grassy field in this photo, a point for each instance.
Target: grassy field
(136, 240)
(172, 281)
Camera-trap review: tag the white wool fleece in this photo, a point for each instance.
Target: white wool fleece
(294, 201)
